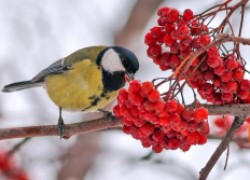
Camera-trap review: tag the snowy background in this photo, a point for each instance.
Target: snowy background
(35, 33)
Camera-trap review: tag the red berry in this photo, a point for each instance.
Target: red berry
(188, 15)
(163, 11)
(123, 95)
(116, 110)
(217, 82)
(172, 105)
(158, 135)
(134, 87)
(169, 28)
(149, 40)
(193, 138)
(204, 40)
(173, 16)
(146, 142)
(202, 140)
(157, 148)
(134, 111)
(151, 117)
(231, 63)
(227, 97)
(153, 96)
(213, 52)
(168, 39)
(174, 118)
(209, 75)
(219, 122)
(229, 87)
(192, 126)
(188, 114)
(157, 32)
(147, 87)
(174, 48)
(245, 84)
(174, 61)
(185, 146)
(173, 143)
(200, 114)
(135, 99)
(162, 20)
(243, 94)
(147, 129)
(219, 70)
(154, 50)
(214, 62)
(165, 58)
(182, 31)
(226, 76)
(159, 106)
(164, 121)
(238, 74)
(149, 106)
(204, 128)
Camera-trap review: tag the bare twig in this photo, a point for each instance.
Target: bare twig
(222, 147)
(227, 157)
(17, 147)
(51, 130)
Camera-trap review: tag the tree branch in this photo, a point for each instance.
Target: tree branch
(51, 130)
(222, 147)
(101, 124)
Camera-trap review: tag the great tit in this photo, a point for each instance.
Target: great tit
(86, 80)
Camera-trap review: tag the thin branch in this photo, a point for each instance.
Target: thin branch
(51, 130)
(222, 147)
(102, 124)
(227, 157)
(229, 109)
(17, 147)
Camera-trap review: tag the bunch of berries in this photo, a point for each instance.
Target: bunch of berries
(158, 123)
(9, 169)
(218, 79)
(175, 37)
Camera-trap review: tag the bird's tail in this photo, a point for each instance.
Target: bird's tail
(20, 86)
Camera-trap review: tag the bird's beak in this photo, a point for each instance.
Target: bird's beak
(129, 77)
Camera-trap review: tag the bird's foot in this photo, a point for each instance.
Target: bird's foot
(61, 128)
(107, 114)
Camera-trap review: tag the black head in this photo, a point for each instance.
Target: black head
(116, 63)
(128, 58)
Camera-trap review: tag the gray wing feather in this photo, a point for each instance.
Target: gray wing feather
(56, 68)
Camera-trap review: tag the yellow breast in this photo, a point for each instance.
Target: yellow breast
(78, 89)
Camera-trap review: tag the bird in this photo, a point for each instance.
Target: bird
(86, 80)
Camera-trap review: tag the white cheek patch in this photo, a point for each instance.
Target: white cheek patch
(111, 61)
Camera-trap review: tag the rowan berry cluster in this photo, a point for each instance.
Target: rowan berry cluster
(9, 169)
(218, 79)
(158, 123)
(175, 37)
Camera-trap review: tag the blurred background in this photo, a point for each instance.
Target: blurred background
(36, 33)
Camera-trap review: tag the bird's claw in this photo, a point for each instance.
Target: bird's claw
(61, 128)
(107, 114)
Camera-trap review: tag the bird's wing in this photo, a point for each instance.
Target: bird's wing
(57, 67)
